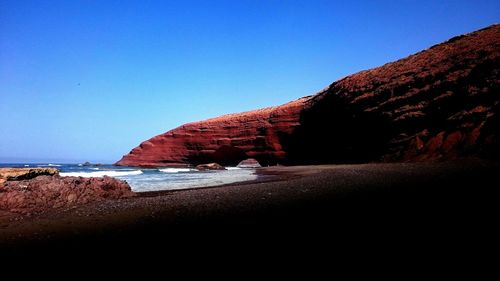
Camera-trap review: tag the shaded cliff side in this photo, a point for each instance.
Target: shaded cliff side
(440, 103)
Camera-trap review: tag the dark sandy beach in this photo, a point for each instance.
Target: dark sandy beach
(301, 207)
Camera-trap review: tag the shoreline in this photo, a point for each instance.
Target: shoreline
(263, 176)
(293, 199)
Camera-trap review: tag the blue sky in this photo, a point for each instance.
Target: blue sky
(89, 80)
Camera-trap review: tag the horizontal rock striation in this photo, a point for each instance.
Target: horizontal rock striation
(226, 140)
(440, 103)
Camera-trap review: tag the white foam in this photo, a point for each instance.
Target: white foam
(177, 181)
(26, 165)
(176, 170)
(233, 168)
(101, 174)
(53, 165)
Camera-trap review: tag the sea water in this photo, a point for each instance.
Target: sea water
(145, 179)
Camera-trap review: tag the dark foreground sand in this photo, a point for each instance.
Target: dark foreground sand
(311, 208)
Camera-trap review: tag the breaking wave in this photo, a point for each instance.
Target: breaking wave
(48, 165)
(176, 170)
(175, 180)
(233, 168)
(101, 174)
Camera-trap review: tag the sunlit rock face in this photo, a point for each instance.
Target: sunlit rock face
(440, 103)
(226, 140)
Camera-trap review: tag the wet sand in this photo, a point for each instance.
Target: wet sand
(302, 207)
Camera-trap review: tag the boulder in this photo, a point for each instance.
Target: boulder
(249, 163)
(7, 174)
(210, 166)
(36, 195)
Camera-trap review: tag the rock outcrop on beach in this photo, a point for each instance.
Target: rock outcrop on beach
(249, 163)
(440, 103)
(210, 166)
(35, 195)
(25, 173)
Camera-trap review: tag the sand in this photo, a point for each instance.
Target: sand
(304, 207)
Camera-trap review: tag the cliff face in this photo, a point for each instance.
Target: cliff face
(439, 103)
(225, 140)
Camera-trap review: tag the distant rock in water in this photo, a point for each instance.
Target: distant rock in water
(440, 103)
(249, 163)
(210, 166)
(90, 164)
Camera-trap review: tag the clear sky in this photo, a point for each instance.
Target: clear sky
(89, 80)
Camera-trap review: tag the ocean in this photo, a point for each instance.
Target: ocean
(151, 179)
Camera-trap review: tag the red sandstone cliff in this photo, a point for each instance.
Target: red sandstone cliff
(226, 139)
(442, 102)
